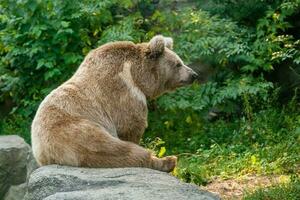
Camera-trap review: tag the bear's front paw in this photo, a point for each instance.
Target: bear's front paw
(169, 163)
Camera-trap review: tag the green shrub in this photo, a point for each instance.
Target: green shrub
(265, 143)
(43, 42)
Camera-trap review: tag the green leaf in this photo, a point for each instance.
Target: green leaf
(162, 152)
(65, 24)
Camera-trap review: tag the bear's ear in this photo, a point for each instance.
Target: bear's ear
(156, 46)
(169, 42)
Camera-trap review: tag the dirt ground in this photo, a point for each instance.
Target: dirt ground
(235, 188)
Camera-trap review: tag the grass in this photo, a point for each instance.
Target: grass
(265, 145)
(287, 191)
(229, 162)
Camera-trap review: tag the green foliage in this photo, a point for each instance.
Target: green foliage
(265, 143)
(249, 136)
(241, 56)
(35, 34)
(214, 94)
(287, 191)
(45, 41)
(243, 11)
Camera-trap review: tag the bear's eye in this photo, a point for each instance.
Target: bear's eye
(178, 65)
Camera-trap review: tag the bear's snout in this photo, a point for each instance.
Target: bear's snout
(194, 75)
(187, 76)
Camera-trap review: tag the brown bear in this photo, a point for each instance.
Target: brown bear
(98, 116)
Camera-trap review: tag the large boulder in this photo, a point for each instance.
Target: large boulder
(16, 192)
(70, 183)
(16, 163)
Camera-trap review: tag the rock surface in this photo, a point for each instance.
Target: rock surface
(16, 192)
(16, 162)
(61, 182)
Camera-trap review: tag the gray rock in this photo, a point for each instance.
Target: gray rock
(16, 162)
(61, 182)
(16, 192)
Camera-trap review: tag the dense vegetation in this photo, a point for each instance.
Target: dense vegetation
(287, 191)
(244, 119)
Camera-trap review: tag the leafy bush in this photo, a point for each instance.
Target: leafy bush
(45, 41)
(267, 143)
(252, 133)
(242, 57)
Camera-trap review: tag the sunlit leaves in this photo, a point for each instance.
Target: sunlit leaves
(43, 42)
(213, 94)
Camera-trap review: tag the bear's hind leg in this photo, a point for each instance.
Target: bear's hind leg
(95, 147)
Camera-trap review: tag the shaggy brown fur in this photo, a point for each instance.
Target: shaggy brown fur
(98, 116)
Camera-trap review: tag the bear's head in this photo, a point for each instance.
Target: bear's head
(162, 68)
